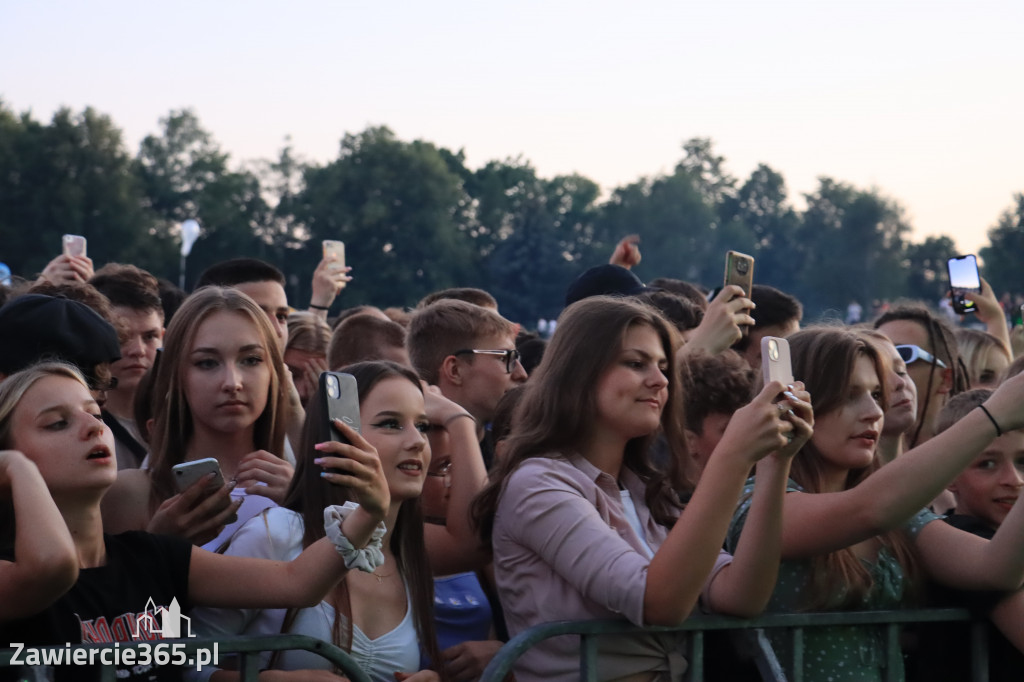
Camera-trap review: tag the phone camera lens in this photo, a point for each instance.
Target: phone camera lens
(333, 389)
(742, 267)
(773, 349)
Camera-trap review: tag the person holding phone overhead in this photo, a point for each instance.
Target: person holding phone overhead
(855, 534)
(582, 524)
(218, 392)
(49, 417)
(383, 619)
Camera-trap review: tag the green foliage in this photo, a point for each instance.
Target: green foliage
(399, 209)
(1002, 258)
(415, 218)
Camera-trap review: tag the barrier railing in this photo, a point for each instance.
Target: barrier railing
(248, 649)
(590, 633)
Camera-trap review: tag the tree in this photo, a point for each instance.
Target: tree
(534, 235)
(855, 247)
(399, 209)
(926, 268)
(1002, 257)
(185, 175)
(70, 176)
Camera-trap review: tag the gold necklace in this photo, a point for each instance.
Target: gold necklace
(380, 578)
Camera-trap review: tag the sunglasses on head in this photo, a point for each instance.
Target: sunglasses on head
(911, 353)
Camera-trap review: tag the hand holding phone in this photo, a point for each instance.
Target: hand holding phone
(187, 474)
(963, 278)
(739, 270)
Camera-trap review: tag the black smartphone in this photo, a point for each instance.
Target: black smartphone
(963, 278)
(739, 270)
(339, 398)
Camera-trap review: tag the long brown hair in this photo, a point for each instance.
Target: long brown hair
(172, 415)
(824, 359)
(558, 408)
(308, 494)
(942, 344)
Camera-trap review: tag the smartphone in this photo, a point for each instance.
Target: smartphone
(187, 473)
(340, 400)
(74, 245)
(776, 364)
(332, 247)
(963, 278)
(739, 270)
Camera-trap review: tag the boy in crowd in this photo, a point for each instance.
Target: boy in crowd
(134, 296)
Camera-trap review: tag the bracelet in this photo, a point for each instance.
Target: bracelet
(366, 559)
(452, 418)
(992, 419)
(319, 307)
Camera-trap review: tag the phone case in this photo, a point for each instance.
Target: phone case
(340, 397)
(739, 270)
(776, 363)
(74, 245)
(187, 473)
(333, 247)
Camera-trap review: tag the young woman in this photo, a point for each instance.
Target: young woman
(385, 618)
(854, 535)
(217, 392)
(901, 401)
(583, 526)
(48, 415)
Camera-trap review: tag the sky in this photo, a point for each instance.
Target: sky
(919, 100)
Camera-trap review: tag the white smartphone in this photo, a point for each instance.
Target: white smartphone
(776, 364)
(187, 473)
(74, 245)
(333, 247)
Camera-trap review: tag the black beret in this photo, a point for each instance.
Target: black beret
(34, 328)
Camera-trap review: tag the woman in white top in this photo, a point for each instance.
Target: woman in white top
(217, 392)
(384, 619)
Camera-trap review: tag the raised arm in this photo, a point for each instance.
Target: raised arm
(234, 581)
(329, 279)
(681, 565)
(45, 562)
(744, 587)
(991, 313)
(455, 547)
(824, 522)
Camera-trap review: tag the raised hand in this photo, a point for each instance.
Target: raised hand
(262, 473)
(355, 465)
(198, 513)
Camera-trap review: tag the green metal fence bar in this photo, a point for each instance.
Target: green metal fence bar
(589, 631)
(248, 647)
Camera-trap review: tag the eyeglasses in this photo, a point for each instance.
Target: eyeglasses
(911, 353)
(511, 357)
(101, 387)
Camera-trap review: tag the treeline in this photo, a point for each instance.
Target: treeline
(415, 218)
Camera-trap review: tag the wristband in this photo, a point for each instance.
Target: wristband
(319, 307)
(992, 419)
(366, 559)
(452, 418)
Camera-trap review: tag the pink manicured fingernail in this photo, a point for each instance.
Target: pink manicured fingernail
(320, 446)
(318, 460)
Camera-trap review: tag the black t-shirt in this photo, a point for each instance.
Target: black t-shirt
(116, 602)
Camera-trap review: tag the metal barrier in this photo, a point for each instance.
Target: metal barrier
(590, 631)
(248, 648)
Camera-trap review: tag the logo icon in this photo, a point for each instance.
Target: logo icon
(169, 625)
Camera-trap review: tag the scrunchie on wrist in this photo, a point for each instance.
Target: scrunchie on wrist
(366, 559)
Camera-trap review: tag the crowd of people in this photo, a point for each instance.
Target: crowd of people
(629, 461)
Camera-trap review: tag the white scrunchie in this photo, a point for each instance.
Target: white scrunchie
(366, 559)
